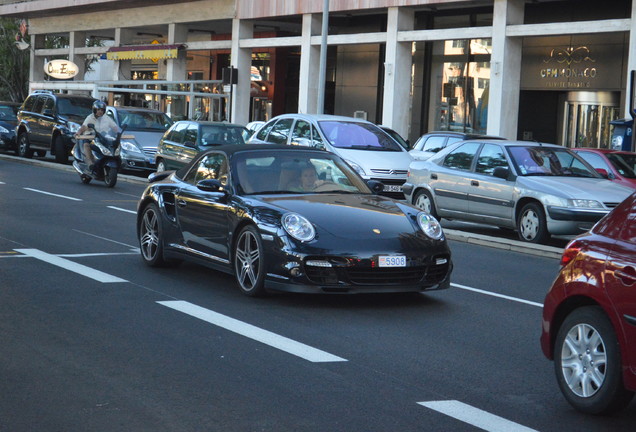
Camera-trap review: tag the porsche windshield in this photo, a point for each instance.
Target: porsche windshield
(294, 172)
(549, 161)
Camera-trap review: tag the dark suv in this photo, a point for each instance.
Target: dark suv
(47, 122)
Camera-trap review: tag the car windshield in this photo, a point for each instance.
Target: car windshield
(222, 134)
(358, 136)
(549, 161)
(293, 172)
(624, 163)
(8, 112)
(79, 107)
(145, 120)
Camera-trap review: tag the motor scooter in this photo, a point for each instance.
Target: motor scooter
(106, 150)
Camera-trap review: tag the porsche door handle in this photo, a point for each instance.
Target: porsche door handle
(181, 203)
(474, 183)
(434, 176)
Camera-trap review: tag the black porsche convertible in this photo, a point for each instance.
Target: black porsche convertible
(290, 219)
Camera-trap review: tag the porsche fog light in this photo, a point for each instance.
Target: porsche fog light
(430, 225)
(298, 227)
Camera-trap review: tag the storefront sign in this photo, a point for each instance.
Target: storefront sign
(143, 52)
(61, 69)
(585, 66)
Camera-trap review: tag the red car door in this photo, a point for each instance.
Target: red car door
(620, 281)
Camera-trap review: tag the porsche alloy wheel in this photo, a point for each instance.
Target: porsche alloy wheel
(150, 241)
(587, 363)
(249, 267)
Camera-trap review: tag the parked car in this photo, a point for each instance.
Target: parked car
(47, 122)
(430, 143)
(618, 166)
(396, 136)
(8, 122)
(253, 126)
(231, 208)
(589, 315)
(147, 126)
(538, 189)
(366, 147)
(187, 138)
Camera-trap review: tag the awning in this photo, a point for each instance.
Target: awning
(143, 52)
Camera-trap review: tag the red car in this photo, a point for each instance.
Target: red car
(589, 315)
(618, 166)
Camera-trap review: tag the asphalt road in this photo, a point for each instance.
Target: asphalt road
(93, 340)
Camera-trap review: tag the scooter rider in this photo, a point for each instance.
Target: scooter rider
(102, 124)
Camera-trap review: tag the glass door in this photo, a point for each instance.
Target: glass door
(587, 119)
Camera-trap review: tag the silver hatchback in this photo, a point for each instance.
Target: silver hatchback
(538, 189)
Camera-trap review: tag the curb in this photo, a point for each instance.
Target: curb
(505, 244)
(67, 168)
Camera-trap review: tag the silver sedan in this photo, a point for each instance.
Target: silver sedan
(538, 189)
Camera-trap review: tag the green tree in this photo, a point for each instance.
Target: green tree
(14, 63)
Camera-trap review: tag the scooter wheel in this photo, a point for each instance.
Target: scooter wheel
(85, 179)
(111, 177)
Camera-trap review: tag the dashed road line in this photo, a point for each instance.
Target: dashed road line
(258, 334)
(475, 416)
(503, 296)
(71, 266)
(52, 194)
(121, 209)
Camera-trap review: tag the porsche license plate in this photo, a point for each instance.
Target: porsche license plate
(392, 188)
(392, 261)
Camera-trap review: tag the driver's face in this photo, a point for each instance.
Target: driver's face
(99, 112)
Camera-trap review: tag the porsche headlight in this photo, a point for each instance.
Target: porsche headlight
(3, 130)
(584, 203)
(430, 225)
(298, 227)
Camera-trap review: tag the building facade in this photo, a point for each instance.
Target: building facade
(548, 70)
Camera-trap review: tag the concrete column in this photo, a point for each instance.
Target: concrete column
(505, 70)
(397, 72)
(122, 68)
(241, 59)
(36, 73)
(177, 68)
(77, 40)
(309, 65)
(631, 64)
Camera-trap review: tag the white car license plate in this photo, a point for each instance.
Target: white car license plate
(392, 261)
(392, 188)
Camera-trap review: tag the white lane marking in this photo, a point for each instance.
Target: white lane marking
(272, 339)
(133, 248)
(474, 416)
(71, 266)
(52, 194)
(122, 210)
(2, 183)
(464, 287)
